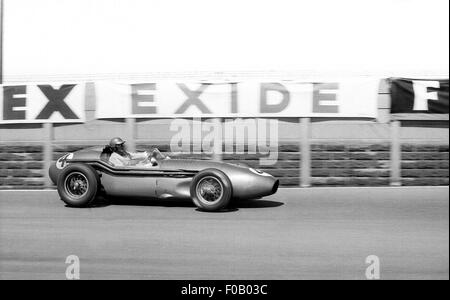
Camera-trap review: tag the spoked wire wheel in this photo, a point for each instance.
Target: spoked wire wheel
(76, 184)
(209, 190)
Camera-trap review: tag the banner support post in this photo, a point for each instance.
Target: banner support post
(305, 153)
(218, 147)
(131, 133)
(48, 150)
(395, 154)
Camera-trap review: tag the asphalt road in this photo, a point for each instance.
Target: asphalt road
(323, 233)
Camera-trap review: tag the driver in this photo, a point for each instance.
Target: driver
(120, 157)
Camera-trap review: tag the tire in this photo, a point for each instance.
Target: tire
(78, 185)
(211, 190)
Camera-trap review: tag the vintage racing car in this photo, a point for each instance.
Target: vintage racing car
(211, 185)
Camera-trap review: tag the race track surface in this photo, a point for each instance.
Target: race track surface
(317, 233)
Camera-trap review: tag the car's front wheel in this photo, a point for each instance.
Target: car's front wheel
(211, 190)
(78, 185)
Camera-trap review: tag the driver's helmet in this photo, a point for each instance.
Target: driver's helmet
(116, 142)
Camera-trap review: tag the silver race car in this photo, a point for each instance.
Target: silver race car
(211, 185)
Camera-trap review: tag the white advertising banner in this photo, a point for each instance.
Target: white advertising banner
(42, 103)
(345, 98)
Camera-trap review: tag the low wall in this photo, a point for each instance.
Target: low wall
(21, 167)
(332, 164)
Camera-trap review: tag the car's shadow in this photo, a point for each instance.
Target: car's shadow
(235, 205)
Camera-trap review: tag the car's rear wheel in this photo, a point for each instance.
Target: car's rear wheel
(211, 190)
(78, 185)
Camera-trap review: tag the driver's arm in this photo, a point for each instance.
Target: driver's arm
(139, 155)
(157, 154)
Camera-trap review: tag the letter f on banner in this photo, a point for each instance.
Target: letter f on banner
(422, 95)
